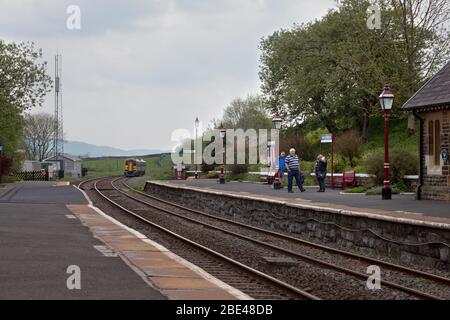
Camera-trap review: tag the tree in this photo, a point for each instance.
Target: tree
(249, 113)
(38, 135)
(23, 79)
(23, 85)
(333, 69)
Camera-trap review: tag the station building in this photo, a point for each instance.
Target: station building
(71, 165)
(431, 105)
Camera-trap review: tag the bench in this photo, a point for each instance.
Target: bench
(348, 179)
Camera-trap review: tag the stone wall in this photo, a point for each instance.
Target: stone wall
(409, 241)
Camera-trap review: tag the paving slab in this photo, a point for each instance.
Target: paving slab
(37, 245)
(164, 271)
(47, 228)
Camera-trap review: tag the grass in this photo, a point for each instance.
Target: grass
(360, 189)
(159, 167)
(376, 191)
(398, 135)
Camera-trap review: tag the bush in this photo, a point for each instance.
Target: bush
(305, 149)
(212, 175)
(205, 168)
(348, 145)
(403, 162)
(237, 169)
(374, 163)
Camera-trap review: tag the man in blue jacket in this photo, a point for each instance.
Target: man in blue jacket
(281, 165)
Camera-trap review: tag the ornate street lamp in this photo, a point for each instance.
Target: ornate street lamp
(222, 132)
(277, 123)
(197, 124)
(386, 102)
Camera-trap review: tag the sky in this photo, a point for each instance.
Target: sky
(138, 70)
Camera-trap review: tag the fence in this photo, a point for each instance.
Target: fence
(31, 175)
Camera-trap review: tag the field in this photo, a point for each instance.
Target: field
(159, 167)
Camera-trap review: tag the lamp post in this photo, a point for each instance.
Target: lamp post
(197, 124)
(1, 163)
(277, 123)
(222, 132)
(386, 102)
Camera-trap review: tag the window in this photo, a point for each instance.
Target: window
(430, 138)
(437, 143)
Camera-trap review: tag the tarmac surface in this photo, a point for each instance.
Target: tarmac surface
(400, 203)
(40, 238)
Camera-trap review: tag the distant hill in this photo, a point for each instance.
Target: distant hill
(83, 149)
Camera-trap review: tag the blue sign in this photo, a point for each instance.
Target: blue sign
(1, 148)
(326, 138)
(444, 154)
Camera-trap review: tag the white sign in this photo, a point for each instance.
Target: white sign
(326, 138)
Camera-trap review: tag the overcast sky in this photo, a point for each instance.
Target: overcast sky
(139, 69)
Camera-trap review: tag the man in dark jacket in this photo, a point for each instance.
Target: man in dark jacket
(321, 171)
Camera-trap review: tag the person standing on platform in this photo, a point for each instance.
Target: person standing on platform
(281, 166)
(321, 172)
(293, 168)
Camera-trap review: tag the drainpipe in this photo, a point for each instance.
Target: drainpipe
(421, 155)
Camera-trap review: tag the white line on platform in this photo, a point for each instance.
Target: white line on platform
(70, 216)
(231, 290)
(106, 251)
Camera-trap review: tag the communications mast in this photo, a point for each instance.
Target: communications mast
(58, 137)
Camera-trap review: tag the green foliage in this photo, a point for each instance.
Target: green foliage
(237, 169)
(212, 175)
(403, 162)
(158, 167)
(249, 113)
(332, 70)
(313, 136)
(376, 191)
(305, 149)
(23, 85)
(348, 145)
(359, 189)
(23, 78)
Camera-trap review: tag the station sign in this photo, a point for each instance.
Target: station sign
(326, 138)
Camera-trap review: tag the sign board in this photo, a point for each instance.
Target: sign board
(444, 154)
(326, 138)
(1, 148)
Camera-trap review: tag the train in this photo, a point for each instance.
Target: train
(134, 167)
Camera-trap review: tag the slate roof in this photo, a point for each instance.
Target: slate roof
(65, 155)
(436, 92)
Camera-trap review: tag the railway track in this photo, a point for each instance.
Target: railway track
(287, 246)
(254, 283)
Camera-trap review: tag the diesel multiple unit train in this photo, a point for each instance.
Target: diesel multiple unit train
(134, 167)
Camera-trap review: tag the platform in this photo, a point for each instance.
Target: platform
(401, 205)
(46, 227)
